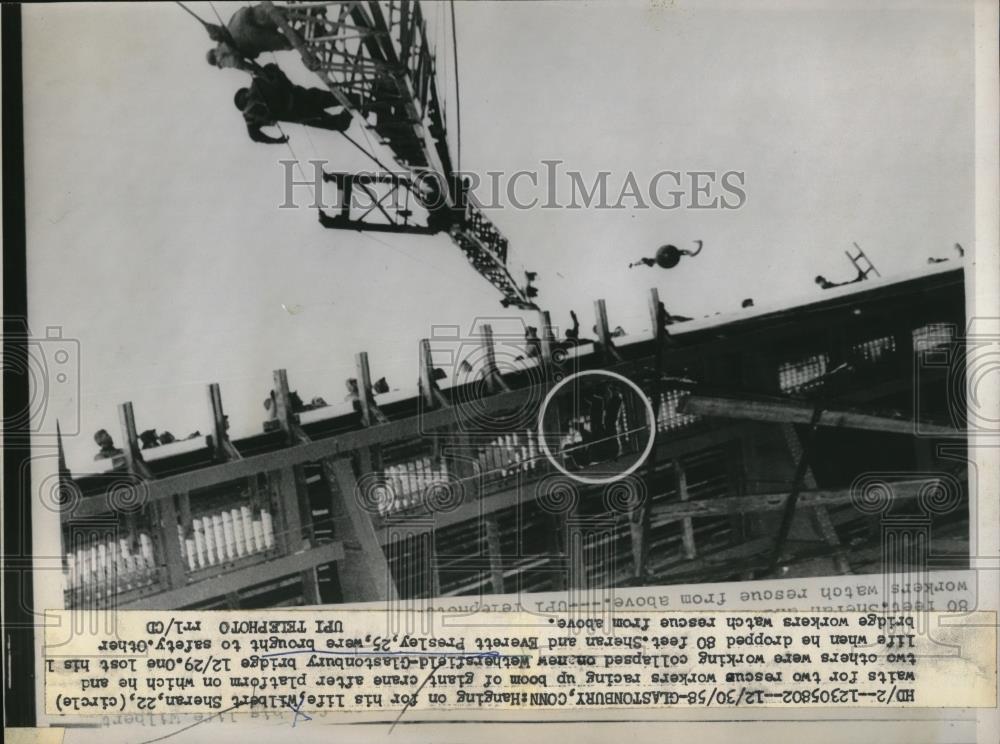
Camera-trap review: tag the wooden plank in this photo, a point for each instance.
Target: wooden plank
(798, 412)
(233, 581)
(725, 506)
(364, 572)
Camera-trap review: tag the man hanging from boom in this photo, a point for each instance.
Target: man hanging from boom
(272, 97)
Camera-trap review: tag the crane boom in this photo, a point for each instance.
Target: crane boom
(375, 57)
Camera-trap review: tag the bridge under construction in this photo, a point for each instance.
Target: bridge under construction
(811, 440)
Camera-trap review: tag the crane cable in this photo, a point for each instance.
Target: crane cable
(192, 13)
(458, 117)
(458, 100)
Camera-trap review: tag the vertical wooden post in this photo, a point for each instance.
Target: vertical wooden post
(291, 494)
(283, 403)
(548, 338)
(494, 380)
(370, 457)
(184, 512)
(640, 526)
(170, 544)
(601, 317)
(131, 451)
(275, 504)
(735, 485)
(495, 553)
(61, 462)
(222, 449)
(293, 497)
(687, 526)
(821, 524)
(487, 334)
(218, 421)
(604, 342)
(427, 382)
(288, 496)
(126, 417)
(654, 314)
(256, 499)
(364, 386)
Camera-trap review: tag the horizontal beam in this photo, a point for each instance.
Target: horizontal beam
(898, 491)
(782, 411)
(227, 583)
(661, 514)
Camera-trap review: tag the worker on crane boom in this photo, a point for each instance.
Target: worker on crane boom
(272, 97)
(250, 32)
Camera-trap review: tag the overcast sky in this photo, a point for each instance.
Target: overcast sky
(155, 238)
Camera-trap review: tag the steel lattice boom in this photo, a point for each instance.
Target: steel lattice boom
(375, 57)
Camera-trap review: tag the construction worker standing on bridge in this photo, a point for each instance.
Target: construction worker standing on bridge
(272, 97)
